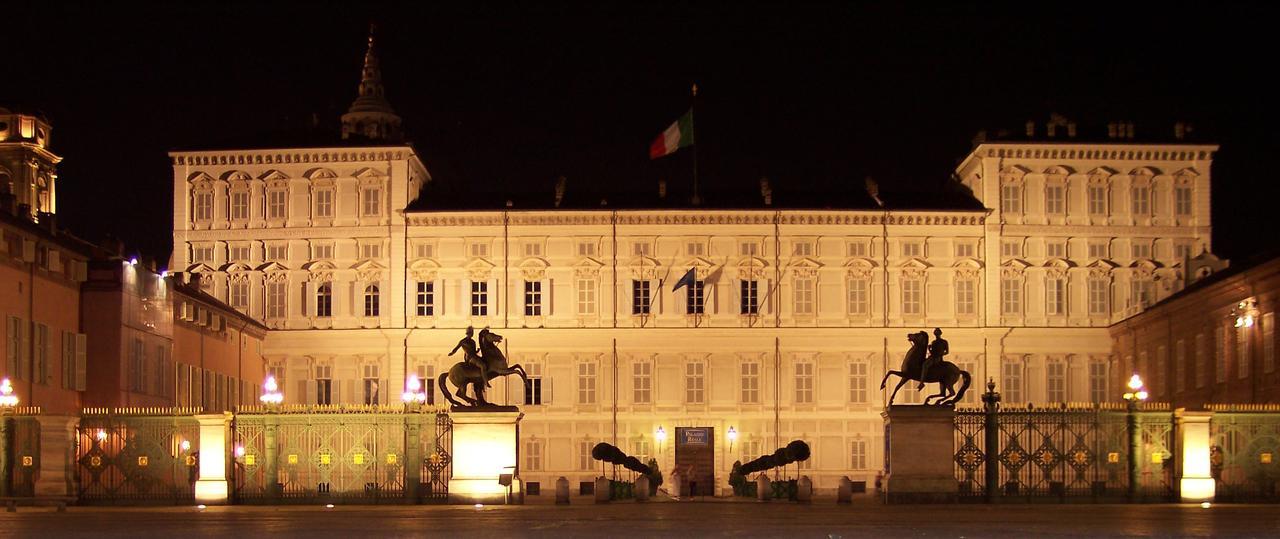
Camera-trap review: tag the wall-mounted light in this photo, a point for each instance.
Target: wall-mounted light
(1245, 313)
(732, 435)
(413, 391)
(271, 393)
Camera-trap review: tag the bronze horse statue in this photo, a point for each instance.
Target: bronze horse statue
(945, 373)
(464, 373)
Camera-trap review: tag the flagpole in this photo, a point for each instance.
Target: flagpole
(693, 125)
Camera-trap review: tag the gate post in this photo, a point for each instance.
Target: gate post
(6, 445)
(212, 488)
(271, 454)
(1196, 480)
(991, 442)
(57, 455)
(1135, 446)
(412, 458)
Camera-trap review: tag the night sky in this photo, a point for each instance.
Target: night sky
(501, 99)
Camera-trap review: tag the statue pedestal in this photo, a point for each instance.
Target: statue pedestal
(920, 454)
(484, 447)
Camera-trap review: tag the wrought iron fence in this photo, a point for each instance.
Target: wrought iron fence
(1245, 452)
(1076, 451)
(340, 453)
(137, 455)
(20, 462)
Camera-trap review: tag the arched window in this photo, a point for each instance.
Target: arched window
(324, 301)
(371, 300)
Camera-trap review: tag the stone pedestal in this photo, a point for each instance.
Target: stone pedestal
(57, 456)
(211, 486)
(1197, 484)
(920, 451)
(484, 446)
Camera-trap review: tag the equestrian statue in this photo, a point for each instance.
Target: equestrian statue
(479, 365)
(924, 363)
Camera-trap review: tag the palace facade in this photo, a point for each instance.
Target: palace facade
(366, 273)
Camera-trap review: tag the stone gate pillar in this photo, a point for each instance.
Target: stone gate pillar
(485, 446)
(57, 456)
(1196, 483)
(920, 454)
(211, 487)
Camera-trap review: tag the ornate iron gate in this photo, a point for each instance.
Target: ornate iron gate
(22, 451)
(137, 455)
(1245, 455)
(339, 453)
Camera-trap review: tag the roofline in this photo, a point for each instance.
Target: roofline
(984, 211)
(977, 150)
(412, 149)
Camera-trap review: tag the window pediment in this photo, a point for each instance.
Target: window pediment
(1059, 171)
(368, 172)
(915, 264)
(533, 268)
(273, 266)
(1059, 263)
(237, 176)
(699, 262)
(1144, 172)
(368, 264)
(320, 173)
(587, 267)
(1014, 173)
(1101, 174)
(199, 177)
(235, 266)
(199, 268)
(273, 174)
(1146, 264)
(644, 267)
(479, 269)
(319, 265)
(424, 269)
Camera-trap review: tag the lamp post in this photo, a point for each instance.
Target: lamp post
(1136, 394)
(8, 401)
(661, 436)
(732, 435)
(413, 393)
(271, 394)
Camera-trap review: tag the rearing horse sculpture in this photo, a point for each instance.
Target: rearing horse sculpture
(463, 373)
(945, 373)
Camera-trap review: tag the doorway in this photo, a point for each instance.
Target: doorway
(695, 460)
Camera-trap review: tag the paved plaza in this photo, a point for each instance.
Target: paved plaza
(663, 519)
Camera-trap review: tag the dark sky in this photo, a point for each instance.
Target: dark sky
(507, 98)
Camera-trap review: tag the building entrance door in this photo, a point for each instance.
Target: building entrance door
(695, 460)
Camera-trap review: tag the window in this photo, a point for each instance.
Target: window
(479, 298)
(1220, 355)
(858, 382)
(640, 449)
(1097, 200)
(1268, 342)
(1202, 371)
(370, 251)
(912, 249)
(749, 249)
(1141, 249)
(324, 300)
(694, 298)
(532, 456)
(1181, 251)
(324, 203)
(858, 297)
(804, 383)
(1011, 198)
(1179, 365)
(639, 297)
(1098, 296)
(1011, 248)
(426, 298)
(1182, 200)
(803, 248)
(640, 249)
(371, 300)
(1011, 372)
(533, 249)
(371, 202)
(804, 296)
(1098, 250)
(586, 382)
(238, 253)
(965, 250)
(275, 204)
(695, 248)
(1011, 296)
(1142, 200)
(202, 254)
(278, 252)
(1097, 381)
(370, 385)
(1244, 355)
(1056, 249)
(533, 298)
(965, 292)
(1055, 294)
(1055, 200)
(750, 380)
(695, 383)
(479, 250)
(424, 250)
(585, 462)
(204, 206)
(1143, 291)
(750, 296)
(324, 384)
(533, 388)
(858, 249)
(587, 248)
(137, 366)
(42, 350)
(239, 205)
(911, 299)
(15, 349)
(1057, 382)
(275, 300)
(642, 382)
(858, 453)
(238, 294)
(586, 296)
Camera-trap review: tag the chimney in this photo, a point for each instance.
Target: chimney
(561, 184)
(1031, 128)
(766, 192)
(662, 189)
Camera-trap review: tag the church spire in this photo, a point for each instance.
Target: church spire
(370, 115)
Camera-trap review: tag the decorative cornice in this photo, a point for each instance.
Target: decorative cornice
(1100, 151)
(290, 156)
(683, 217)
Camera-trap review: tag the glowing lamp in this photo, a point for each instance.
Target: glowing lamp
(133, 261)
(185, 446)
(7, 398)
(732, 434)
(1135, 382)
(413, 391)
(660, 434)
(271, 391)
(239, 450)
(101, 435)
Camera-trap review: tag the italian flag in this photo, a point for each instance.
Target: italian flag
(678, 135)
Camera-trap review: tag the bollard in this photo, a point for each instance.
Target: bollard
(764, 490)
(676, 486)
(562, 491)
(602, 490)
(641, 489)
(845, 493)
(804, 490)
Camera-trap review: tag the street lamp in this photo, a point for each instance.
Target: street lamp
(1137, 392)
(661, 436)
(7, 399)
(1245, 313)
(732, 435)
(413, 392)
(271, 391)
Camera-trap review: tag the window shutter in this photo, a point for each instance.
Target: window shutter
(306, 392)
(546, 389)
(24, 352)
(55, 260)
(28, 250)
(349, 393)
(79, 270)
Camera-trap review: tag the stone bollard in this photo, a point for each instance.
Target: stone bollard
(674, 489)
(844, 494)
(562, 491)
(804, 490)
(641, 488)
(764, 491)
(602, 490)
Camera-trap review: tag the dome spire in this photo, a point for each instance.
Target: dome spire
(371, 115)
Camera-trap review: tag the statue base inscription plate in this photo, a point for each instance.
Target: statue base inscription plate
(484, 447)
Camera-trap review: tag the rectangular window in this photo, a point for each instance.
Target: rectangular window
(804, 296)
(533, 298)
(275, 204)
(426, 299)
(1160, 375)
(1097, 381)
(277, 252)
(695, 248)
(803, 248)
(203, 206)
(1011, 248)
(858, 305)
(324, 300)
(749, 249)
(1244, 353)
(238, 295)
(479, 298)
(324, 203)
(912, 249)
(1011, 296)
(1098, 295)
(533, 456)
(1141, 249)
(694, 298)
(371, 251)
(911, 297)
(1056, 297)
(1056, 249)
(532, 249)
(479, 250)
(586, 296)
(1143, 292)
(371, 203)
(965, 250)
(1180, 365)
(533, 389)
(424, 250)
(137, 366)
(275, 300)
(1098, 250)
(640, 249)
(1011, 198)
(1055, 200)
(1097, 200)
(586, 383)
(642, 382)
(369, 385)
(858, 454)
(1011, 379)
(239, 205)
(1182, 200)
(587, 248)
(15, 348)
(858, 382)
(695, 383)
(965, 292)
(858, 249)
(324, 384)
(1057, 381)
(1142, 200)
(750, 379)
(1268, 342)
(202, 254)
(585, 462)
(238, 253)
(639, 297)
(750, 296)
(804, 383)
(1220, 355)
(1201, 370)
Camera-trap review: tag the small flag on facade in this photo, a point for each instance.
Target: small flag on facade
(678, 135)
(688, 279)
